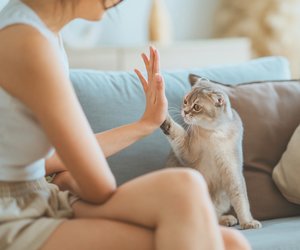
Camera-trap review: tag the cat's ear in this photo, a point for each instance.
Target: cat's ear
(219, 99)
(201, 81)
(193, 79)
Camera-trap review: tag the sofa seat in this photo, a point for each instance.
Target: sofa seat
(276, 234)
(111, 99)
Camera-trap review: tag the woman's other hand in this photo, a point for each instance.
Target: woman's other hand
(154, 88)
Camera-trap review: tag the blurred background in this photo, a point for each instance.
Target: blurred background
(189, 33)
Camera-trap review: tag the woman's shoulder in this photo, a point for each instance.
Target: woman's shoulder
(20, 35)
(23, 50)
(22, 44)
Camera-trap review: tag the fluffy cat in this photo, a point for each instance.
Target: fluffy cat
(212, 145)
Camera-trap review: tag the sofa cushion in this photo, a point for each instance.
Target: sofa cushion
(286, 173)
(277, 234)
(261, 69)
(270, 112)
(111, 99)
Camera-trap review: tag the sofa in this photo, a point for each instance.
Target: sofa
(113, 98)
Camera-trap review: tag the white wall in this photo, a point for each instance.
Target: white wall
(128, 23)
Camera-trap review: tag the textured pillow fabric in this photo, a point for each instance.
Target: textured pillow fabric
(286, 173)
(270, 112)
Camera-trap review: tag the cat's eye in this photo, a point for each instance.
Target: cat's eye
(197, 107)
(184, 101)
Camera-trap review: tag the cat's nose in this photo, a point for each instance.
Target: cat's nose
(185, 112)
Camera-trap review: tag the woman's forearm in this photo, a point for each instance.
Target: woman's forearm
(111, 142)
(114, 140)
(65, 181)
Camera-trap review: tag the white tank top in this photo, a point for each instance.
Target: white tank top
(23, 143)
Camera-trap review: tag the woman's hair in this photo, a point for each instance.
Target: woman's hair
(113, 5)
(74, 2)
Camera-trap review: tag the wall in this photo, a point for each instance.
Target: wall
(128, 23)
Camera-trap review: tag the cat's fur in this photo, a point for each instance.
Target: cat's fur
(213, 145)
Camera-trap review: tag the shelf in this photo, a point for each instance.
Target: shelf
(179, 55)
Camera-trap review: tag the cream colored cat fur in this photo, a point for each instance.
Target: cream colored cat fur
(213, 146)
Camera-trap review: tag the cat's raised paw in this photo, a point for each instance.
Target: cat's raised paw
(228, 220)
(165, 127)
(254, 224)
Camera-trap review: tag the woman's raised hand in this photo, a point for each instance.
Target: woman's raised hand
(154, 88)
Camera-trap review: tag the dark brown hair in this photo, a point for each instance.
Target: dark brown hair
(74, 2)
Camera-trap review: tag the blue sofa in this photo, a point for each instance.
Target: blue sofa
(111, 99)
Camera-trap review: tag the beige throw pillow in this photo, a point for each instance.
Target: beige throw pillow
(286, 173)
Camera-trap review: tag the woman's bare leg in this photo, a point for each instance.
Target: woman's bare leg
(174, 203)
(112, 235)
(99, 234)
(163, 210)
(234, 240)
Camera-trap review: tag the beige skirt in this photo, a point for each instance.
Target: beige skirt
(30, 212)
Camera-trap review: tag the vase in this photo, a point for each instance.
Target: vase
(160, 30)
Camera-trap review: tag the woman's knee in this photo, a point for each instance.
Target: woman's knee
(186, 179)
(234, 240)
(186, 184)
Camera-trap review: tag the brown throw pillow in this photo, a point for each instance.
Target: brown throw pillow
(270, 111)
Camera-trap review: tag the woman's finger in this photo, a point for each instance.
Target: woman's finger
(146, 62)
(142, 79)
(151, 75)
(156, 64)
(160, 87)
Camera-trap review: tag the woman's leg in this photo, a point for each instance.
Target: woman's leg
(112, 235)
(99, 234)
(234, 240)
(174, 203)
(168, 209)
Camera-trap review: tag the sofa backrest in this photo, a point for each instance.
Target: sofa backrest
(111, 99)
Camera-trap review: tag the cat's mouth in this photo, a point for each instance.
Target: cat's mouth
(188, 120)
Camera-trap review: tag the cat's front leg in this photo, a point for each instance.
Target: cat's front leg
(237, 192)
(166, 125)
(246, 220)
(172, 129)
(177, 137)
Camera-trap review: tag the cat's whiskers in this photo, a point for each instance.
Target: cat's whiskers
(186, 126)
(189, 128)
(175, 113)
(174, 109)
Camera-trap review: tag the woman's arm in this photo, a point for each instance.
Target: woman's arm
(34, 75)
(111, 142)
(114, 140)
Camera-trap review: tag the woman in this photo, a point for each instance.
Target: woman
(167, 209)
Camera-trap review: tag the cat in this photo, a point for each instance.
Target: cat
(212, 145)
